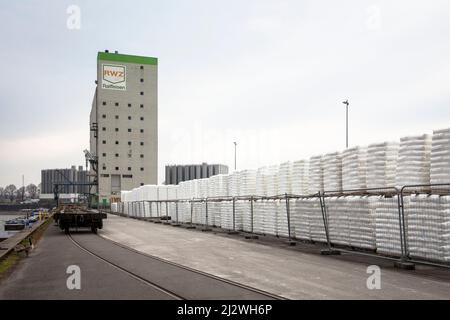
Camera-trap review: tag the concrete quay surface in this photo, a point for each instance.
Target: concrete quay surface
(102, 263)
(292, 272)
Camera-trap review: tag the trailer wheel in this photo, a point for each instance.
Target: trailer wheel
(66, 230)
(94, 229)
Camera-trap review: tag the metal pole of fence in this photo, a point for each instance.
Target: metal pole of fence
(403, 263)
(206, 215)
(252, 235)
(292, 243)
(143, 203)
(330, 250)
(150, 206)
(190, 226)
(234, 218)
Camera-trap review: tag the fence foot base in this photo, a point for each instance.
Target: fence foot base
(291, 243)
(166, 222)
(330, 252)
(156, 221)
(251, 237)
(190, 227)
(206, 229)
(232, 232)
(404, 265)
(176, 225)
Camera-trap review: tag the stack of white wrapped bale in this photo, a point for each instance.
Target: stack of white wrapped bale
(234, 180)
(299, 218)
(315, 174)
(269, 217)
(387, 225)
(199, 212)
(285, 178)
(337, 220)
(316, 225)
(332, 171)
(361, 222)
(281, 220)
(382, 164)
(272, 180)
(444, 230)
(212, 193)
(354, 168)
(150, 194)
(440, 157)
(258, 216)
(428, 227)
(242, 215)
(222, 185)
(261, 181)
(299, 178)
(172, 194)
(246, 212)
(114, 207)
(413, 167)
(226, 214)
(247, 183)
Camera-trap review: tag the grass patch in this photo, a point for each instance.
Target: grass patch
(7, 264)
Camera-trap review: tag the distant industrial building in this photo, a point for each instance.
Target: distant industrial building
(124, 123)
(178, 173)
(50, 177)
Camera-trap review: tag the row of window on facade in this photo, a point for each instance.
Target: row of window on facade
(117, 104)
(117, 168)
(117, 142)
(117, 117)
(129, 129)
(117, 155)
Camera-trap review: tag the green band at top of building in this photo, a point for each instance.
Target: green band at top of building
(126, 58)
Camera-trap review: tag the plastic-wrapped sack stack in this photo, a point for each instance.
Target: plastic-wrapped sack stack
(428, 227)
(234, 180)
(281, 222)
(382, 164)
(226, 214)
(172, 194)
(242, 213)
(354, 168)
(269, 217)
(222, 185)
(114, 207)
(361, 222)
(387, 225)
(150, 194)
(261, 181)
(440, 157)
(315, 174)
(247, 183)
(285, 178)
(444, 231)
(299, 177)
(332, 171)
(245, 211)
(413, 167)
(258, 216)
(272, 180)
(299, 209)
(316, 225)
(338, 228)
(199, 213)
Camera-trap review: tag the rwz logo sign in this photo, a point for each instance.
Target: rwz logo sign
(114, 77)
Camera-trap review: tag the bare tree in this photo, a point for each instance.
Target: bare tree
(10, 192)
(2, 193)
(31, 189)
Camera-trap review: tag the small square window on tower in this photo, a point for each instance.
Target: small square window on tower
(129, 105)
(104, 103)
(142, 93)
(117, 104)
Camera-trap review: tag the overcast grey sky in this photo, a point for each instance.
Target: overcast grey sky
(268, 74)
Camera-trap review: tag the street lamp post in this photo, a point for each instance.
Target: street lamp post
(346, 122)
(235, 144)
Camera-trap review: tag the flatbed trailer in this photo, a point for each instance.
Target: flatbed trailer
(72, 216)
